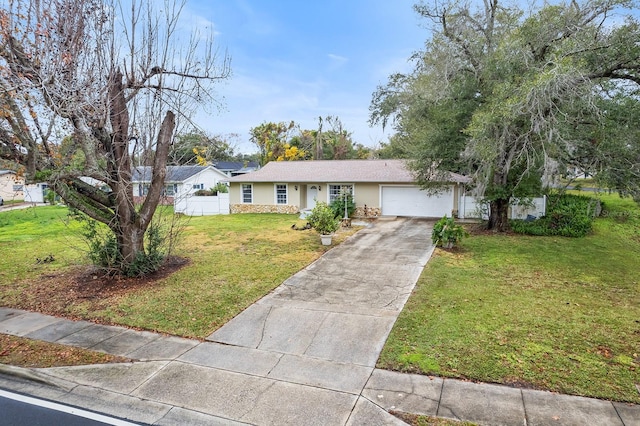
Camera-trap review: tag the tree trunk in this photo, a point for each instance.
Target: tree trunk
(130, 242)
(126, 226)
(130, 225)
(499, 215)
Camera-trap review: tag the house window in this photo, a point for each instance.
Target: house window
(169, 190)
(247, 193)
(198, 186)
(281, 193)
(336, 190)
(17, 188)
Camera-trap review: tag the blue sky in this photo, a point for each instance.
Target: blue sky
(298, 60)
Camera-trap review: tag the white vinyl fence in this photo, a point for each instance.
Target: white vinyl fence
(471, 208)
(192, 205)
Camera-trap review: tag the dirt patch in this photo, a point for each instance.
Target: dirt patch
(54, 293)
(481, 229)
(25, 352)
(605, 352)
(516, 382)
(418, 420)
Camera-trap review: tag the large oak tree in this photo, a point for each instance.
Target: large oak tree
(107, 77)
(513, 97)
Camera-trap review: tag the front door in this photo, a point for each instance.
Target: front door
(312, 194)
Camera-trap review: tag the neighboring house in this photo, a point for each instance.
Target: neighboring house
(180, 181)
(11, 185)
(379, 187)
(235, 168)
(35, 192)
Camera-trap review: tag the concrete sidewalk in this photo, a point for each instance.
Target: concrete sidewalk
(304, 354)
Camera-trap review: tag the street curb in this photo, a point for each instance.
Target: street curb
(32, 375)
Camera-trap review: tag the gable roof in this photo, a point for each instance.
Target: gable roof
(321, 171)
(236, 165)
(174, 173)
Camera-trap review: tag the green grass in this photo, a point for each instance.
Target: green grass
(8, 203)
(553, 313)
(234, 261)
(27, 235)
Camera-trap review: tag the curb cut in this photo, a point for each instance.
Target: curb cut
(32, 375)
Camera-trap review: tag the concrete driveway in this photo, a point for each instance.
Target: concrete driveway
(340, 308)
(301, 355)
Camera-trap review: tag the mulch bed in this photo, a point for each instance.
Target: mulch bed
(51, 294)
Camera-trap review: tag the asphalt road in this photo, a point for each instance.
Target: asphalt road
(20, 410)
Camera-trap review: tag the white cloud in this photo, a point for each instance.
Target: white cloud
(337, 58)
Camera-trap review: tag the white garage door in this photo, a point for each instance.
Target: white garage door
(411, 201)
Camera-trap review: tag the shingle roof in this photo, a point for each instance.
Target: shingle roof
(335, 171)
(174, 173)
(235, 165)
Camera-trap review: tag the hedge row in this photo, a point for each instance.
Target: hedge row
(567, 216)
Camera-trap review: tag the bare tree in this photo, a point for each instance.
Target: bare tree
(112, 75)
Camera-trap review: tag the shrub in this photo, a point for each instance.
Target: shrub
(446, 233)
(50, 197)
(105, 255)
(567, 216)
(221, 188)
(322, 219)
(337, 205)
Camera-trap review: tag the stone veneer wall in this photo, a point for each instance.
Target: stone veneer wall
(264, 208)
(367, 212)
(287, 209)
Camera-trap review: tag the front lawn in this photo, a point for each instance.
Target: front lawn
(234, 261)
(554, 313)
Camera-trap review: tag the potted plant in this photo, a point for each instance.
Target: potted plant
(323, 220)
(446, 233)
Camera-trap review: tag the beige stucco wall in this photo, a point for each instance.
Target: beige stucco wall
(235, 193)
(264, 195)
(367, 194)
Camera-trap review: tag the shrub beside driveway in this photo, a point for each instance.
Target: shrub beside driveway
(552, 313)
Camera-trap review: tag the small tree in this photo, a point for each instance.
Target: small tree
(200, 148)
(271, 138)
